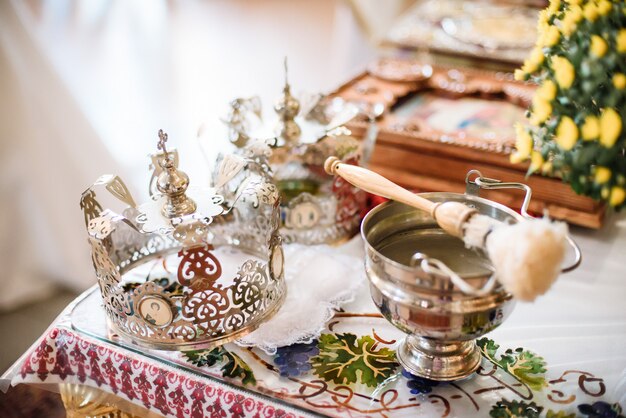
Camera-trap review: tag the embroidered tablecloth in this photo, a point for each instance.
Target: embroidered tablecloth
(563, 356)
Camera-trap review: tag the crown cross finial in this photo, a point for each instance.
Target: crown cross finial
(287, 109)
(161, 143)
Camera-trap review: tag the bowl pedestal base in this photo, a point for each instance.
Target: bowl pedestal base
(439, 360)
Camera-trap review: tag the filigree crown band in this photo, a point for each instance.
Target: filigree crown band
(200, 305)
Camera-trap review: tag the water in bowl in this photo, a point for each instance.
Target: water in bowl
(400, 247)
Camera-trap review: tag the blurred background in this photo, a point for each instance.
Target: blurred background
(86, 86)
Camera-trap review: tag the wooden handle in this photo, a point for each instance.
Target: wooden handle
(451, 216)
(376, 184)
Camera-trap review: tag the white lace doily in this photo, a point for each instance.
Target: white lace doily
(319, 279)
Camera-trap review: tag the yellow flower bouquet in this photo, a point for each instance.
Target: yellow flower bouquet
(577, 113)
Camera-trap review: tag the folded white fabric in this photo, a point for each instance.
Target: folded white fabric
(319, 279)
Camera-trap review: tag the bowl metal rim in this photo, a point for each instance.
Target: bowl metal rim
(516, 216)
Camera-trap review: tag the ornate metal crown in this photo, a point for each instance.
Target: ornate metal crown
(219, 255)
(315, 207)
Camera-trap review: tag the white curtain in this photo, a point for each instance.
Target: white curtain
(49, 153)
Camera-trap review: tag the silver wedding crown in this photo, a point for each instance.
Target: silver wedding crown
(315, 208)
(218, 248)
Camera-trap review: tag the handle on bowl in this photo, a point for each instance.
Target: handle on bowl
(434, 266)
(475, 181)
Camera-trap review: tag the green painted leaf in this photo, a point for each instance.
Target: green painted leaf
(488, 347)
(345, 359)
(521, 409)
(203, 358)
(529, 368)
(524, 365)
(560, 414)
(233, 367)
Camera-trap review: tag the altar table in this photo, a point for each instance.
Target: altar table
(562, 356)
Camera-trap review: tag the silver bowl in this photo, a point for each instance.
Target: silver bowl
(441, 321)
(427, 284)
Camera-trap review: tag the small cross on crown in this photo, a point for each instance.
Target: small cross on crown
(162, 141)
(161, 146)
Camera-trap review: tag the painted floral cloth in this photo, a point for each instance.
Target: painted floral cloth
(351, 370)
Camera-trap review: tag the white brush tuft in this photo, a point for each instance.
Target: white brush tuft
(528, 255)
(476, 229)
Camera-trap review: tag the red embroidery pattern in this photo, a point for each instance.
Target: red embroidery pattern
(63, 356)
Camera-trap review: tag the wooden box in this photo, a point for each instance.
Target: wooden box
(440, 122)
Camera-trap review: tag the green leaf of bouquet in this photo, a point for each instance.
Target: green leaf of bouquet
(607, 155)
(585, 155)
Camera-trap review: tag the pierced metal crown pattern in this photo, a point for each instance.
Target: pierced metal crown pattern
(315, 207)
(223, 239)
